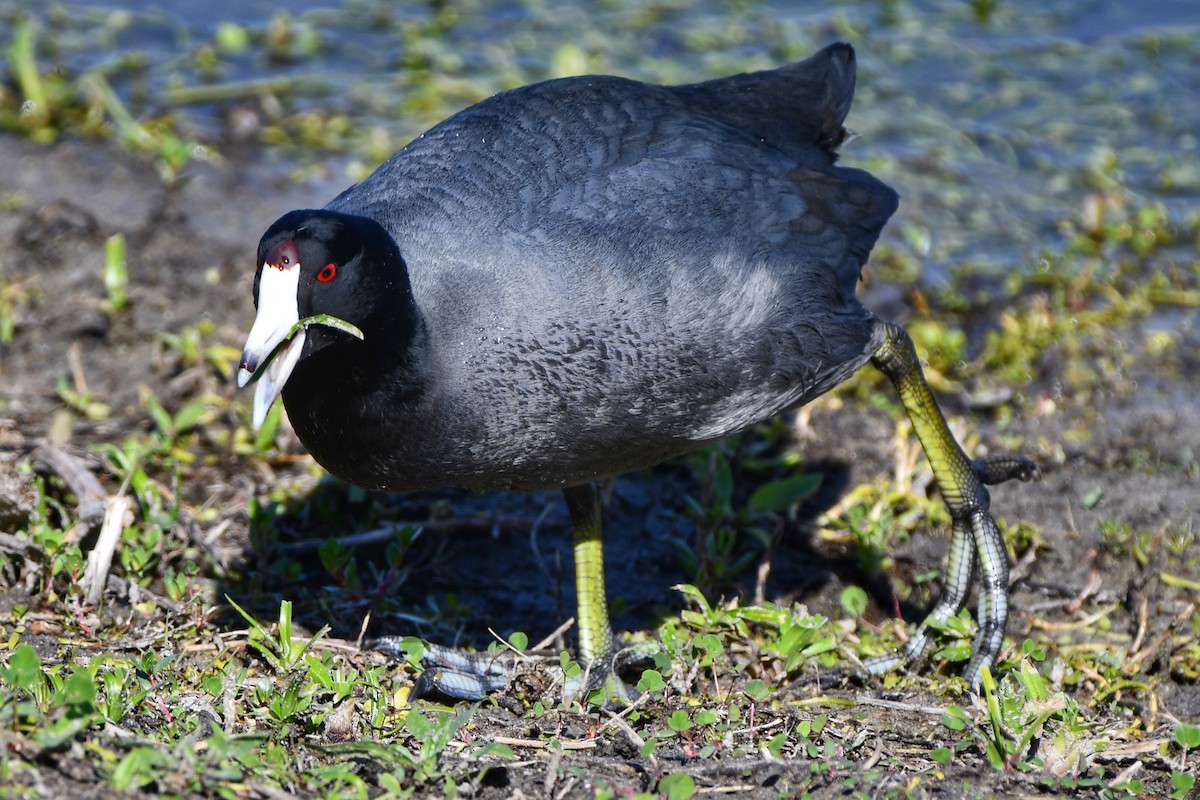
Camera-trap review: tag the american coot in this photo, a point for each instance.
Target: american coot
(586, 276)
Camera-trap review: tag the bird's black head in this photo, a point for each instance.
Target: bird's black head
(322, 262)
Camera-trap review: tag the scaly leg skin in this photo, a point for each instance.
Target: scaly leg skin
(470, 676)
(961, 483)
(448, 672)
(597, 652)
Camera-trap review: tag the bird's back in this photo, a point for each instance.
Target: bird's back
(622, 270)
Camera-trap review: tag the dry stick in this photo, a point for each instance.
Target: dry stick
(867, 700)
(756, 728)
(537, 744)
(1143, 620)
(1150, 649)
(552, 770)
(92, 501)
(95, 577)
(567, 787)
(75, 362)
(1022, 567)
(554, 635)
(736, 789)
(1126, 774)
(618, 721)
(764, 566)
(1093, 585)
(271, 792)
(874, 758)
(362, 629)
(15, 544)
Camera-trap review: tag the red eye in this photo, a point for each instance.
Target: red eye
(327, 273)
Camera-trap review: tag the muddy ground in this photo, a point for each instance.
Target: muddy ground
(1136, 441)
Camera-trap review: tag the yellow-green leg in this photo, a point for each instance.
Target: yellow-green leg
(596, 649)
(470, 676)
(960, 481)
(591, 598)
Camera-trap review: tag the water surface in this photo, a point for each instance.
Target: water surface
(995, 125)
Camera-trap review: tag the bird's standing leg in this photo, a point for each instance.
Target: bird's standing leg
(961, 483)
(591, 598)
(596, 648)
(470, 676)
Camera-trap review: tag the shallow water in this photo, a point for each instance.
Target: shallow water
(994, 127)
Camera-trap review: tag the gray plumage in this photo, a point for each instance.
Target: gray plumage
(603, 274)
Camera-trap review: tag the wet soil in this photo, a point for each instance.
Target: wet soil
(1136, 442)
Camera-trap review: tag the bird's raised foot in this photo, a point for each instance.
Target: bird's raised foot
(459, 675)
(450, 673)
(1000, 468)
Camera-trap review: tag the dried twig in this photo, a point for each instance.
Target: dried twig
(93, 503)
(867, 700)
(95, 577)
(537, 744)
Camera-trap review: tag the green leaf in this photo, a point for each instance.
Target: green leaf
(495, 750)
(188, 416)
(782, 494)
(365, 748)
(818, 647)
(329, 321)
(710, 643)
(265, 436)
(955, 718)
(1035, 684)
(519, 640)
(651, 681)
(570, 668)
(60, 732)
(958, 652)
(319, 672)
(138, 768)
(995, 757)
(79, 694)
(679, 721)
(756, 689)
(116, 273)
(1131, 787)
(419, 725)
(677, 786)
(1188, 736)
(854, 600)
(941, 755)
(1183, 782)
(414, 650)
(24, 669)
(696, 596)
(162, 420)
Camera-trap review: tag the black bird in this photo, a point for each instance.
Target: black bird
(585, 276)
